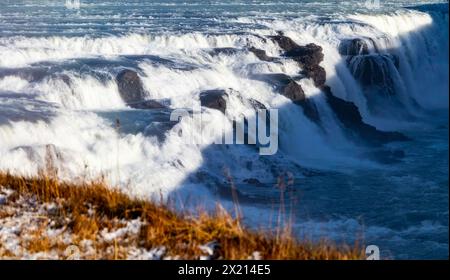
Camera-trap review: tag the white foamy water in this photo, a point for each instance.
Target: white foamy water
(59, 100)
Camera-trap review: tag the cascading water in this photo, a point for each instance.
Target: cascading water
(60, 98)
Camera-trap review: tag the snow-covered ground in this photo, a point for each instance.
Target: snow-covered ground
(30, 229)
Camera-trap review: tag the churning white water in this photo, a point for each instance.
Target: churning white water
(59, 99)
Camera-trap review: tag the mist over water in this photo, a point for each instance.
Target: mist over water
(59, 99)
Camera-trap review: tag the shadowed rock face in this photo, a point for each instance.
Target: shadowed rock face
(374, 70)
(349, 115)
(370, 69)
(352, 47)
(132, 91)
(310, 110)
(214, 99)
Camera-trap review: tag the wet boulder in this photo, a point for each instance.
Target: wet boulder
(132, 91)
(374, 70)
(285, 43)
(284, 84)
(224, 51)
(293, 91)
(356, 46)
(130, 86)
(214, 99)
(217, 99)
(308, 55)
(317, 74)
(288, 87)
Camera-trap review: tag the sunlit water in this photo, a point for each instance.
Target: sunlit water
(58, 61)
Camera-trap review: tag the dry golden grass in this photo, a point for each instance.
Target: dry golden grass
(179, 233)
(39, 242)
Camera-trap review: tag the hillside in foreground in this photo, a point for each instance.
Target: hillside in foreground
(42, 218)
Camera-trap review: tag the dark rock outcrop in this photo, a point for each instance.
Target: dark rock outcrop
(217, 99)
(283, 84)
(130, 86)
(285, 43)
(293, 91)
(261, 54)
(374, 70)
(224, 51)
(308, 55)
(369, 69)
(316, 73)
(288, 87)
(214, 99)
(132, 91)
(349, 115)
(356, 46)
